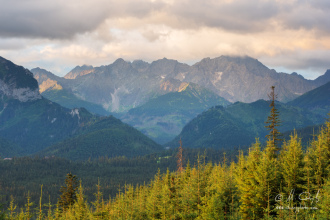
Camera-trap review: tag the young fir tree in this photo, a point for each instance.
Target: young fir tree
(319, 157)
(273, 122)
(12, 207)
(68, 197)
(247, 184)
(180, 158)
(292, 172)
(324, 203)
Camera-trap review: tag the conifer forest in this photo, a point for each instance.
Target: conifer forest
(278, 180)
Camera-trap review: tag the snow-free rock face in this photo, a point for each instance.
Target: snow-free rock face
(17, 83)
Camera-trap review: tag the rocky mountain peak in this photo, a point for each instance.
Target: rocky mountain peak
(17, 82)
(79, 71)
(297, 75)
(120, 62)
(140, 65)
(120, 65)
(323, 78)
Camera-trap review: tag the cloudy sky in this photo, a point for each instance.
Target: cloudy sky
(287, 35)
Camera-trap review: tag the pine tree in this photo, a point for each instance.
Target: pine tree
(180, 158)
(40, 215)
(291, 160)
(319, 157)
(68, 197)
(80, 206)
(324, 204)
(292, 173)
(273, 122)
(28, 205)
(11, 208)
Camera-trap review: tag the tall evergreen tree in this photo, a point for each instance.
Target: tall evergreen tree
(273, 122)
(68, 197)
(180, 158)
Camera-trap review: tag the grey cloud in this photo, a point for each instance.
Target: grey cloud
(63, 19)
(240, 15)
(309, 15)
(308, 63)
(252, 16)
(12, 44)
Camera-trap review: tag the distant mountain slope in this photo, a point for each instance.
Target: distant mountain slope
(37, 124)
(323, 78)
(8, 149)
(32, 122)
(47, 80)
(163, 117)
(245, 79)
(26, 118)
(123, 85)
(106, 137)
(316, 100)
(239, 124)
(57, 90)
(69, 100)
(305, 133)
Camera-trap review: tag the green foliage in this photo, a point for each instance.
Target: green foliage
(273, 122)
(292, 169)
(68, 196)
(106, 137)
(294, 185)
(26, 174)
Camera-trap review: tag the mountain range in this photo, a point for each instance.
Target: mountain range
(165, 100)
(123, 85)
(30, 123)
(144, 94)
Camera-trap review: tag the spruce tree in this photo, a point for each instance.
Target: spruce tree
(68, 197)
(273, 122)
(180, 158)
(292, 169)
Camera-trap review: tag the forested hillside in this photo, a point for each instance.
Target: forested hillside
(105, 136)
(25, 174)
(240, 123)
(264, 184)
(316, 100)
